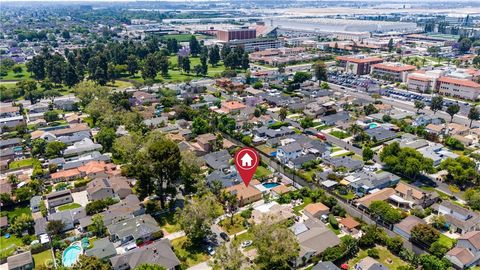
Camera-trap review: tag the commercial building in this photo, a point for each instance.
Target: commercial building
(459, 88)
(359, 65)
(392, 71)
(255, 44)
(235, 34)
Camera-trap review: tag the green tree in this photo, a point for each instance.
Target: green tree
(200, 126)
(38, 147)
(189, 170)
(452, 110)
(50, 116)
(276, 245)
(71, 76)
(432, 262)
(186, 64)
(320, 71)
(197, 217)
(390, 45)
(464, 45)
(473, 115)
(367, 153)
(97, 227)
(194, 46)
(214, 55)
(228, 256)
(472, 197)
(437, 104)
(419, 105)
(132, 64)
(301, 77)
(385, 211)
(85, 262)
(424, 234)
(461, 171)
(54, 149)
(21, 223)
(55, 227)
(106, 137)
(405, 161)
(282, 114)
(37, 67)
(150, 67)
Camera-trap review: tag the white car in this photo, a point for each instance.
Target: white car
(246, 243)
(210, 251)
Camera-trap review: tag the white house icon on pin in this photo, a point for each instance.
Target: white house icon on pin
(246, 160)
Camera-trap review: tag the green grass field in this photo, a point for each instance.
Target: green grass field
(8, 246)
(43, 258)
(183, 37)
(17, 76)
(262, 172)
(23, 163)
(69, 206)
(385, 257)
(17, 211)
(169, 224)
(236, 227)
(188, 256)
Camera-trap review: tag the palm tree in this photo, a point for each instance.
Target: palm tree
(473, 114)
(355, 129)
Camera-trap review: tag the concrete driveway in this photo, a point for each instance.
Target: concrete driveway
(80, 198)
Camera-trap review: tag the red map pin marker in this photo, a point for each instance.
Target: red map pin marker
(246, 161)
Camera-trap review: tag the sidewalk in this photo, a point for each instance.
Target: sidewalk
(175, 235)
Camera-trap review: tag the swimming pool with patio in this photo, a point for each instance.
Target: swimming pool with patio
(71, 254)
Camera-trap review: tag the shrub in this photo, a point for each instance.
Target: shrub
(246, 214)
(333, 221)
(157, 235)
(373, 253)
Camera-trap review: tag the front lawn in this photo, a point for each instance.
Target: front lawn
(262, 173)
(446, 241)
(244, 237)
(8, 246)
(236, 227)
(23, 163)
(300, 207)
(43, 259)
(340, 134)
(385, 257)
(15, 212)
(188, 256)
(168, 223)
(69, 206)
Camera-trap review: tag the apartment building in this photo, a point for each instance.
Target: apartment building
(396, 72)
(359, 65)
(459, 88)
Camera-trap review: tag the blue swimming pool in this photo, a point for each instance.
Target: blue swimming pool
(372, 125)
(71, 254)
(270, 185)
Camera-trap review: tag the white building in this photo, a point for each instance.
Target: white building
(459, 88)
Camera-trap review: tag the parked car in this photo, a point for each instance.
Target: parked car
(210, 250)
(224, 236)
(246, 243)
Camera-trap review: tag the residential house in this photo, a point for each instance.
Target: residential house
(298, 162)
(70, 218)
(206, 142)
(380, 134)
(437, 129)
(11, 122)
(325, 266)
(381, 195)
(437, 152)
(313, 237)
(22, 261)
(227, 177)
(155, 122)
(316, 210)
(10, 143)
(139, 227)
(408, 196)
(102, 249)
(81, 147)
(368, 182)
(333, 119)
(218, 160)
(246, 194)
(232, 107)
(288, 152)
(368, 263)
(273, 211)
(9, 111)
(405, 226)
(141, 97)
(35, 202)
(348, 163)
(58, 198)
(349, 225)
(102, 188)
(460, 220)
(158, 253)
(466, 252)
(424, 120)
(66, 103)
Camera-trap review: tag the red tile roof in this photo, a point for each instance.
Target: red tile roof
(462, 82)
(359, 60)
(394, 67)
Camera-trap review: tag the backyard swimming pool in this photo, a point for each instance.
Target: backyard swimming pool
(270, 185)
(71, 254)
(372, 125)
